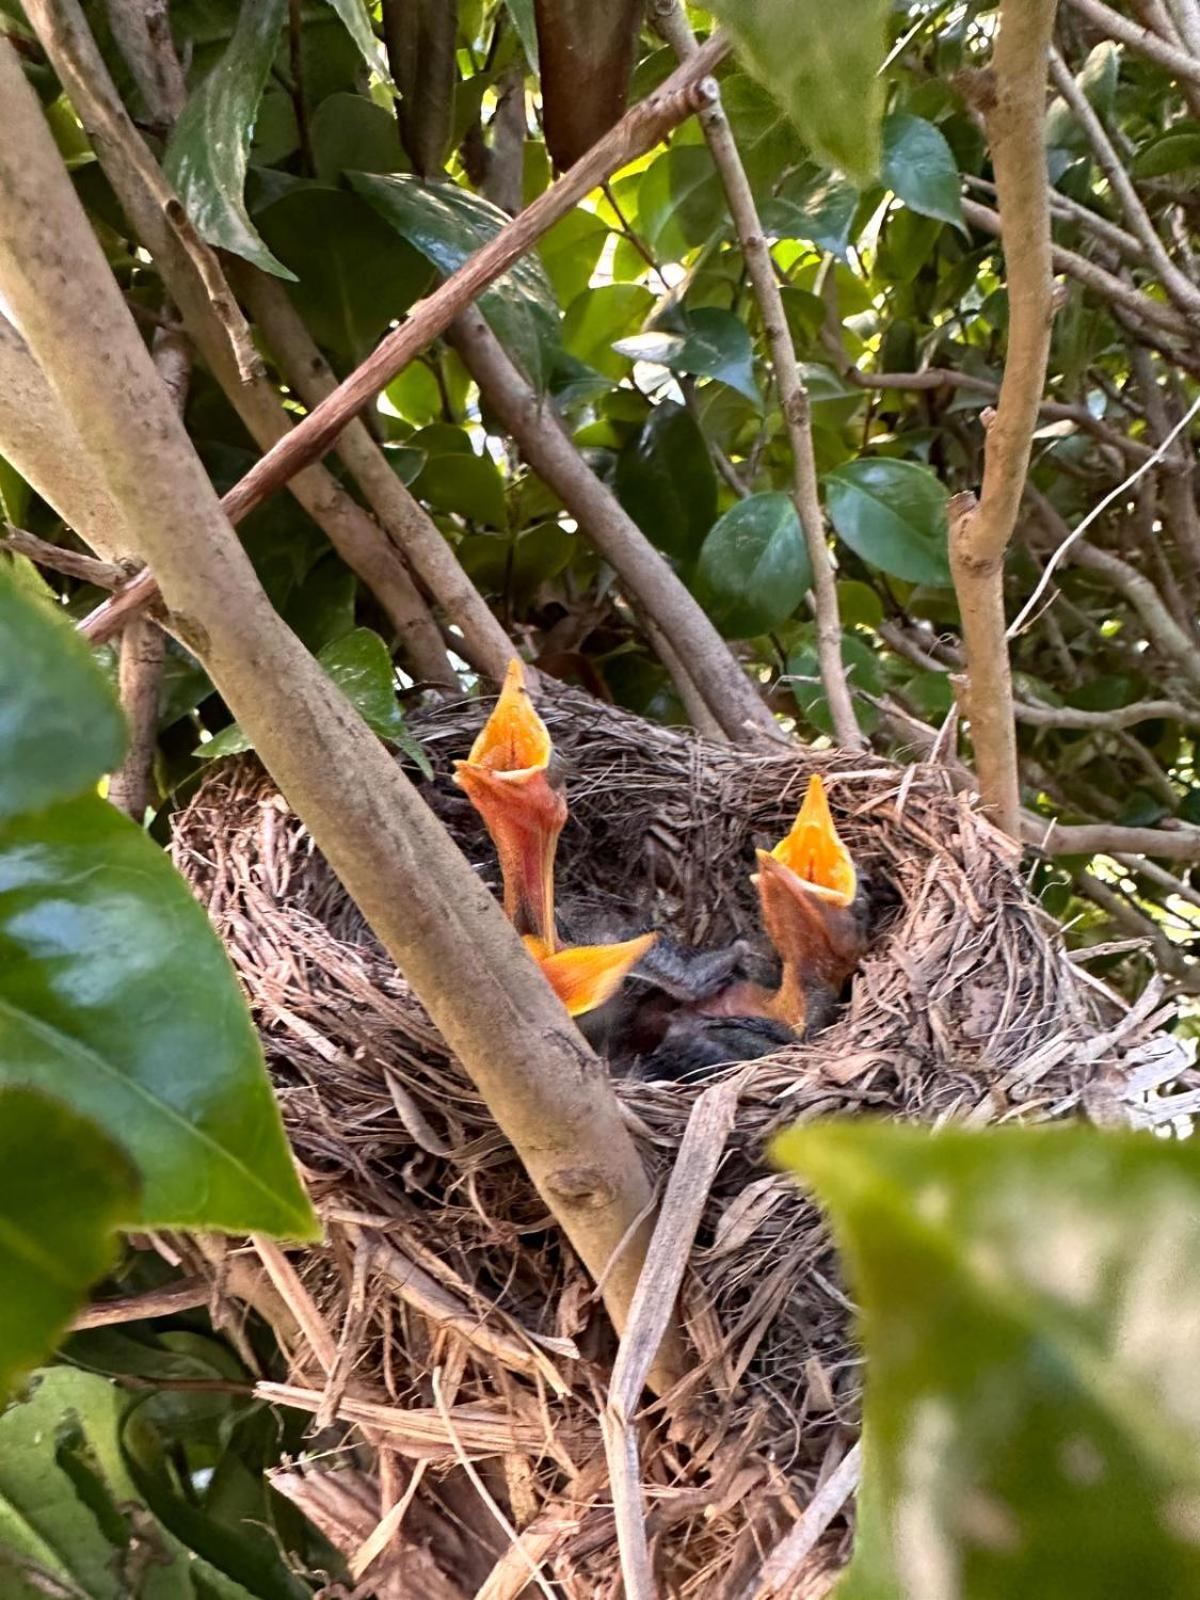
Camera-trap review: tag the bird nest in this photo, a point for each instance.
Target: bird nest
(449, 1345)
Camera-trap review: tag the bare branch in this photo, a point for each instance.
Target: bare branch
(1107, 721)
(652, 584)
(406, 522)
(1178, 843)
(1114, 26)
(104, 574)
(550, 1096)
(141, 187)
(672, 23)
(979, 536)
(1176, 283)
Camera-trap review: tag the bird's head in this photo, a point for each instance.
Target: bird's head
(809, 891)
(507, 778)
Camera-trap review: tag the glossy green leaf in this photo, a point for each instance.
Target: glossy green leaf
(523, 20)
(754, 569)
(821, 63)
(74, 1521)
(208, 151)
(65, 1188)
(818, 209)
(60, 727)
(858, 603)
(862, 672)
(354, 276)
(893, 515)
(1029, 1309)
(713, 344)
(350, 133)
(599, 318)
(116, 996)
(448, 225)
(357, 21)
(361, 667)
(665, 480)
(468, 485)
(920, 169)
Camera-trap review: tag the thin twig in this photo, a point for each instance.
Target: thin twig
(781, 1566)
(1031, 605)
(793, 395)
(71, 563)
(1114, 26)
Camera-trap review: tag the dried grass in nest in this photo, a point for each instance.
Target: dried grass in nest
(440, 1255)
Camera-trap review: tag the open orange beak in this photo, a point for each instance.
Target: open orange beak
(506, 777)
(587, 975)
(806, 886)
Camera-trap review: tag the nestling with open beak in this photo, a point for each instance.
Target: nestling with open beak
(508, 778)
(691, 1012)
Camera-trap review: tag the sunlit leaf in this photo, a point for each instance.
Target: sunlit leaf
(821, 63)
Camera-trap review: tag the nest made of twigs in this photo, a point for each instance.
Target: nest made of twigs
(440, 1254)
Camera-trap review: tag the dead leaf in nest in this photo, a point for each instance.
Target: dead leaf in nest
(745, 1212)
(844, 1069)
(981, 1011)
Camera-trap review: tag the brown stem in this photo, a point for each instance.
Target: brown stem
(639, 130)
(550, 1096)
(104, 574)
(979, 535)
(405, 521)
(652, 585)
(793, 395)
(140, 186)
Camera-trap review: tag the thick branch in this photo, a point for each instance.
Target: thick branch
(549, 1094)
(140, 186)
(43, 446)
(793, 396)
(1015, 116)
(638, 131)
(652, 585)
(484, 642)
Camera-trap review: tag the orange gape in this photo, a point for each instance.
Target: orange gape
(506, 777)
(806, 886)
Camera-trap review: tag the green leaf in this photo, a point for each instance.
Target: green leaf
(821, 63)
(468, 485)
(357, 20)
(117, 997)
(523, 20)
(1177, 150)
(817, 209)
(350, 133)
(862, 672)
(754, 568)
(713, 344)
(65, 1188)
(893, 515)
(919, 167)
(597, 319)
(1098, 80)
(361, 667)
(665, 480)
(570, 251)
(1028, 1301)
(73, 1520)
(448, 225)
(207, 154)
(60, 727)
(680, 202)
(353, 275)
(858, 603)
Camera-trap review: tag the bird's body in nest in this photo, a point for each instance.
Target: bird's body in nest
(655, 1009)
